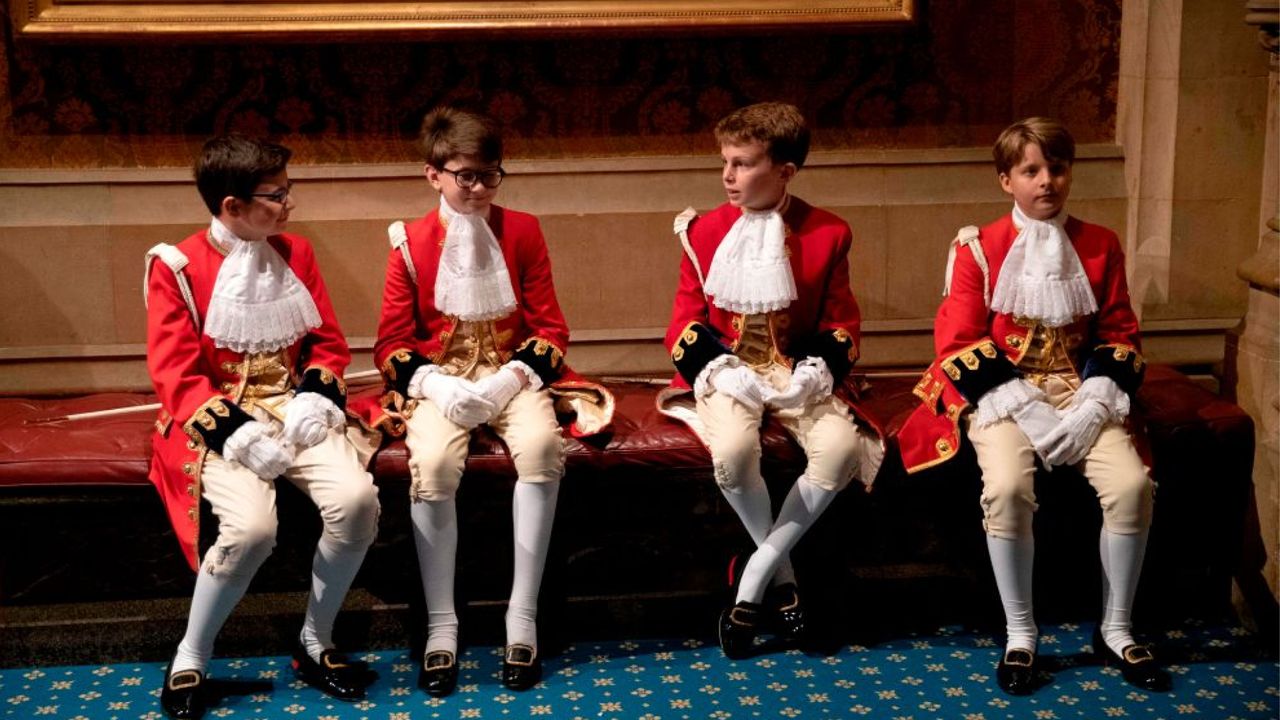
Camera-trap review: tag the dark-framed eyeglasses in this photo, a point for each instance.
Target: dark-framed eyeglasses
(467, 179)
(277, 196)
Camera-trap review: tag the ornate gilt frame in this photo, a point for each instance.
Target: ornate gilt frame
(67, 20)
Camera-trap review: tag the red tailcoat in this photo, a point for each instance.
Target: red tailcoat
(412, 331)
(977, 348)
(191, 376)
(822, 321)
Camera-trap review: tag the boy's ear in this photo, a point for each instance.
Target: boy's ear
(1005, 184)
(432, 175)
(231, 205)
(789, 171)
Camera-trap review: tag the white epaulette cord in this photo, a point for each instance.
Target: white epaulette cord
(968, 237)
(399, 238)
(176, 261)
(681, 229)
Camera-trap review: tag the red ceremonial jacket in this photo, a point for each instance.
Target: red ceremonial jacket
(200, 386)
(413, 332)
(823, 321)
(977, 349)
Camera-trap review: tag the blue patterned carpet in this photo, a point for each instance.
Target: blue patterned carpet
(946, 675)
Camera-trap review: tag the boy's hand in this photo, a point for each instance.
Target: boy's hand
(252, 446)
(1079, 431)
(308, 418)
(742, 384)
(810, 382)
(500, 387)
(457, 399)
(1042, 425)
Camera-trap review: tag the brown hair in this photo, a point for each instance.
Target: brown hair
(1055, 143)
(233, 166)
(778, 126)
(448, 132)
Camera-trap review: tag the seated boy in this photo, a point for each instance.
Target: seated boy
(471, 333)
(765, 321)
(247, 358)
(1038, 350)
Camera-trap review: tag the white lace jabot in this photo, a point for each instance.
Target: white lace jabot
(1042, 277)
(750, 272)
(258, 303)
(472, 282)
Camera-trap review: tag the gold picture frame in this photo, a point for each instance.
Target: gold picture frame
(133, 20)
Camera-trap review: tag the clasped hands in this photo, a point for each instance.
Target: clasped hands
(1062, 437)
(747, 387)
(465, 402)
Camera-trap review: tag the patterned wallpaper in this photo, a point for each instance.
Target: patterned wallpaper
(965, 70)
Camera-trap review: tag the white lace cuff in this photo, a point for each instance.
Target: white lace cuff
(1002, 400)
(702, 386)
(1107, 393)
(419, 377)
(535, 382)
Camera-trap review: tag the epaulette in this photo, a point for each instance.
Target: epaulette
(176, 261)
(968, 237)
(681, 228)
(399, 238)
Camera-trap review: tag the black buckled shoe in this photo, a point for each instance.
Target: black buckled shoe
(334, 675)
(438, 674)
(182, 695)
(787, 613)
(1016, 672)
(521, 667)
(738, 627)
(1137, 664)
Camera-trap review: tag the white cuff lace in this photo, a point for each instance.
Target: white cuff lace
(1002, 400)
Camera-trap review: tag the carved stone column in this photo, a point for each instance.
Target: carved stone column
(1256, 354)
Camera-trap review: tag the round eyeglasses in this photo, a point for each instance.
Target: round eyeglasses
(278, 196)
(467, 179)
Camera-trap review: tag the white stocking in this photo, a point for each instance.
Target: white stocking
(803, 506)
(435, 534)
(1121, 565)
(533, 511)
(334, 567)
(1012, 561)
(214, 598)
(755, 510)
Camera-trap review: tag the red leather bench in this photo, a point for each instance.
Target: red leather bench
(640, 519)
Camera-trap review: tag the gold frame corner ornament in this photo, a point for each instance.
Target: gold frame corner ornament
(68, 20)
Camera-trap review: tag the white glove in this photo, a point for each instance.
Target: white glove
(1040, 422)
(457, 399)
(742, 384)
(810, 381)
(252, 446)
(1079, 430)
(308, 418)
(500, 387)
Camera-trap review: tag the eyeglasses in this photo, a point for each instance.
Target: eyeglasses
(467, 179)
(279, 196)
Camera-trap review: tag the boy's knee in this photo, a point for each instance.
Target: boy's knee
(1131, 503)
(435, 478)
(1008, 505)
(541, 457)
(241, 551)
(356, 513)
(735, 460)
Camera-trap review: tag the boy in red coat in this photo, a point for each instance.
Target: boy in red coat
(764, 320)
(1036, 336)
(246, 355)
(471, 333)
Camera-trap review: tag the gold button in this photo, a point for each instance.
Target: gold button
(191, 514)
(944, 447)
(188, 468)
(191, 445)
(191, 490)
